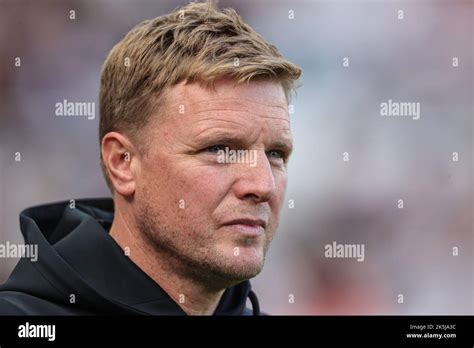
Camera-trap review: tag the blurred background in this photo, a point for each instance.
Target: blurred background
(408, 251)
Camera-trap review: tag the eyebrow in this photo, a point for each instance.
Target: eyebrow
(284, 146)
(220, 137)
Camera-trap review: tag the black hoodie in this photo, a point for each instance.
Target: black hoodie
(81, 270)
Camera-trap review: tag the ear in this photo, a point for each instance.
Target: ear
(120, 159)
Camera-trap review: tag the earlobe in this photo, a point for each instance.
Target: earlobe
(118, 155)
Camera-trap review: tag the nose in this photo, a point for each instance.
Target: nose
(255, 182)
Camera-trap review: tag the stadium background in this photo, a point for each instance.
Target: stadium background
(408, 251)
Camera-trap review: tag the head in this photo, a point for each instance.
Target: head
(195, 139)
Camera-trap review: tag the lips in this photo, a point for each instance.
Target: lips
(247, 226)
(247, 222)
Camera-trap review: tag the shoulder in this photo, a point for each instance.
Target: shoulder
(249, 312)
(20, 303)
(9, 305)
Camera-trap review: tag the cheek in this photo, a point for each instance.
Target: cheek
(280, 189)
(178, 183)
(201, 185)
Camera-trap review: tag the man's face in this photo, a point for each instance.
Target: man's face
(215, 216)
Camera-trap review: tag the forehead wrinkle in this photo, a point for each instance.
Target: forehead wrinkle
(219, 120)
(241, 100)
(214, 131)
(216, 128)
(196, 106)
(285, 131)
(246, 111)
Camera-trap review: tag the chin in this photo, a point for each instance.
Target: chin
(246, 265)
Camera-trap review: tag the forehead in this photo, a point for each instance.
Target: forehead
(259, 98)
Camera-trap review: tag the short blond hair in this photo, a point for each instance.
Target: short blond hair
(196, 42)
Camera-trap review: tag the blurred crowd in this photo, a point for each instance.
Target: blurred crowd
(408, 251)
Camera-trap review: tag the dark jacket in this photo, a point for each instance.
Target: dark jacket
(81, 270)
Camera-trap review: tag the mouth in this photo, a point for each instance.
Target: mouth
(247, 226)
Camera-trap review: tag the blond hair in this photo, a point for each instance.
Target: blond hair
(196, 42)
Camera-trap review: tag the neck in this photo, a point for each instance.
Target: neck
(192, 296)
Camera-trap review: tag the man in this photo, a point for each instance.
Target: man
(195, 140)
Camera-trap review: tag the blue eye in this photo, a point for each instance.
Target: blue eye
(215, 148)
(275, 153)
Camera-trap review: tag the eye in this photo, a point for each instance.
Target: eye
(276, 154)
(215, 148)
